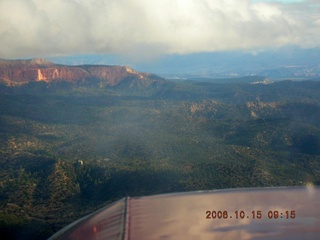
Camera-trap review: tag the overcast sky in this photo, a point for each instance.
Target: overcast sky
(145, 28)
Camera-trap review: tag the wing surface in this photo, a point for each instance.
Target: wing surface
(253, 213)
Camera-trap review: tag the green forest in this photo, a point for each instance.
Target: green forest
(67, 150)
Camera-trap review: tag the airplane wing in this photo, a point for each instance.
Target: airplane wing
(254, 213)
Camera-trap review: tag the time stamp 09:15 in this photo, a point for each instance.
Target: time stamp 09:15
(255, 214)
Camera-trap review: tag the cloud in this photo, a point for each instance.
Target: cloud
(142, 28)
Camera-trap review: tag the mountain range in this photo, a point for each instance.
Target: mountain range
(289, 62)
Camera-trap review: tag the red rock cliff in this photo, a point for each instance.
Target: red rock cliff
(14, 72)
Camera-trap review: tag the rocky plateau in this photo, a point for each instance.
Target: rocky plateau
(17, 72)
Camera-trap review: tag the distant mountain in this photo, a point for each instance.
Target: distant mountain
(283, 63)
(17, 72)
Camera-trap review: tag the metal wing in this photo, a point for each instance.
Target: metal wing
(264, 213)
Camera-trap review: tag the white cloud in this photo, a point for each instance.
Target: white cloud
(30, 28)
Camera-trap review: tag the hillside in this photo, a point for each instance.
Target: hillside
(67, 149)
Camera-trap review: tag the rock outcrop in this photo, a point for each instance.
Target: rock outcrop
(16, 72)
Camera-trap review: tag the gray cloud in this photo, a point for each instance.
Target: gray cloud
(143, 28)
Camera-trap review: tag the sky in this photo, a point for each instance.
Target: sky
(144, 30)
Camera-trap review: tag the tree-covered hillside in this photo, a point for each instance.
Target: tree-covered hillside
(66, 150)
